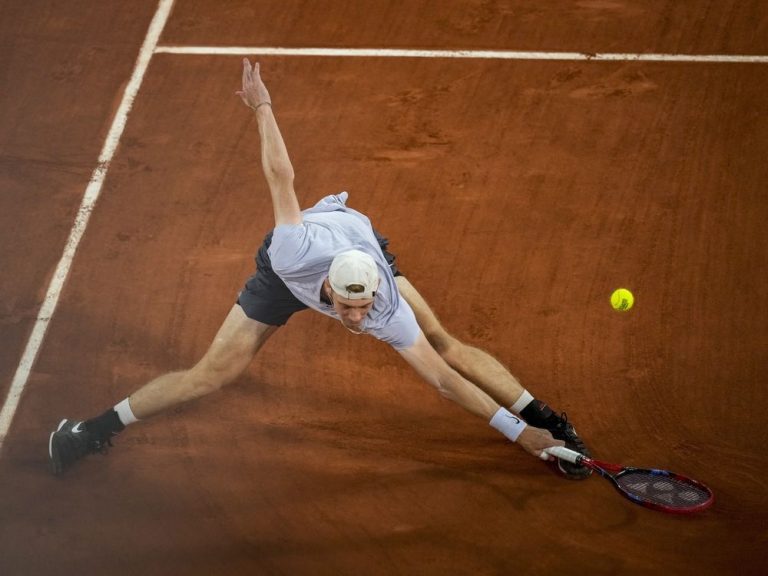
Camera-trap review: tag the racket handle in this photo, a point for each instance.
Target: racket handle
(564, 454)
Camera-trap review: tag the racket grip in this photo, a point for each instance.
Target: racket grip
(564, 454)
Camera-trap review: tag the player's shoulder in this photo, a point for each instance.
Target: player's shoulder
(286, 246)
(330, 203)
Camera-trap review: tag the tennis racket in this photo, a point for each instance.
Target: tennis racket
(656, 489)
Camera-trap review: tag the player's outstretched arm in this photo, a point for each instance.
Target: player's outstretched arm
(274, 155)
(431, 366)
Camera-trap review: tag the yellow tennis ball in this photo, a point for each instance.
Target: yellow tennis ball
(622, 300)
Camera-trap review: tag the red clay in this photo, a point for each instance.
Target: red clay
(517, 196)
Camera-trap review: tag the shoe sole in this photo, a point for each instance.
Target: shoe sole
(570, 476)
(55, 465)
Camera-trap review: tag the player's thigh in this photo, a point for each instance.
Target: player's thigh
(235, 344)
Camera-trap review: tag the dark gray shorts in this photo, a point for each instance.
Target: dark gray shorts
(266, 298)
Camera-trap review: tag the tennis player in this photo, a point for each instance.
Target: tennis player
(330, 259)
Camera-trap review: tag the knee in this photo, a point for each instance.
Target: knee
(450, 348)
(455, 354)
(208, 377)
(198, 383)
(446, 345)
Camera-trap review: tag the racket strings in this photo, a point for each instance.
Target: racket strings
(659, 488)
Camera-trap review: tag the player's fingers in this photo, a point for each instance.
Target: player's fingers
(545, 454)
(246, 71)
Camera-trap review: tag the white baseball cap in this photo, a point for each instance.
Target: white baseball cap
(354, 275)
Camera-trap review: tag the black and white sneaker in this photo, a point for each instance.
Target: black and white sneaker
(563, 430)
(538, 414)
(69, 443)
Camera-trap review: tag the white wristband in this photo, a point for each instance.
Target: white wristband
(508, 424)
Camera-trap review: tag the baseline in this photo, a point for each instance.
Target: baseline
(476, 54)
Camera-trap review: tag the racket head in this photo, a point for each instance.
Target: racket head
(656, 489)
(663, 490)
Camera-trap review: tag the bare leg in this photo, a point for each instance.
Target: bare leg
(474, 364)
(232, 350)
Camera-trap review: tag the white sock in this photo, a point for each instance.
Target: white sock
(522, 402)
(125, 413)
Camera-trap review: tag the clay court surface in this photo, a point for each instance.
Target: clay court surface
(517, 194)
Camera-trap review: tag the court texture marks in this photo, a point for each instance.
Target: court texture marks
(524, 158)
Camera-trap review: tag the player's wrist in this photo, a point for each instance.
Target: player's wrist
(266, 103)
(508, 424)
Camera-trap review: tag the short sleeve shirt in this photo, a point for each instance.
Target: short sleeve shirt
(301, 255)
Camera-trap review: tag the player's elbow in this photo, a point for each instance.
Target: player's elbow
(446, 385)
(280, 174)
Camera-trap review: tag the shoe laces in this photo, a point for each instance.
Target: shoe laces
(101, 446)
(566, 429)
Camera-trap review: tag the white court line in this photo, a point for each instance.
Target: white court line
(92, 192)
(477, 54)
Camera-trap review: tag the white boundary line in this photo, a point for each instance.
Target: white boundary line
(92, 192)
(477, 54)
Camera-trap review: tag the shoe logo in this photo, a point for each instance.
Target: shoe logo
(77, 428)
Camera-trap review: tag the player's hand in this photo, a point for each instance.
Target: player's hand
(254, 91)
(535, 440)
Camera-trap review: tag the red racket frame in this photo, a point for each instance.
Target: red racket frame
(605, 469)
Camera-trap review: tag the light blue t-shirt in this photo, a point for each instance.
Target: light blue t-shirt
(301, 255)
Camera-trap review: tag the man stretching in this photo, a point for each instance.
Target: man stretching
(329, 258)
